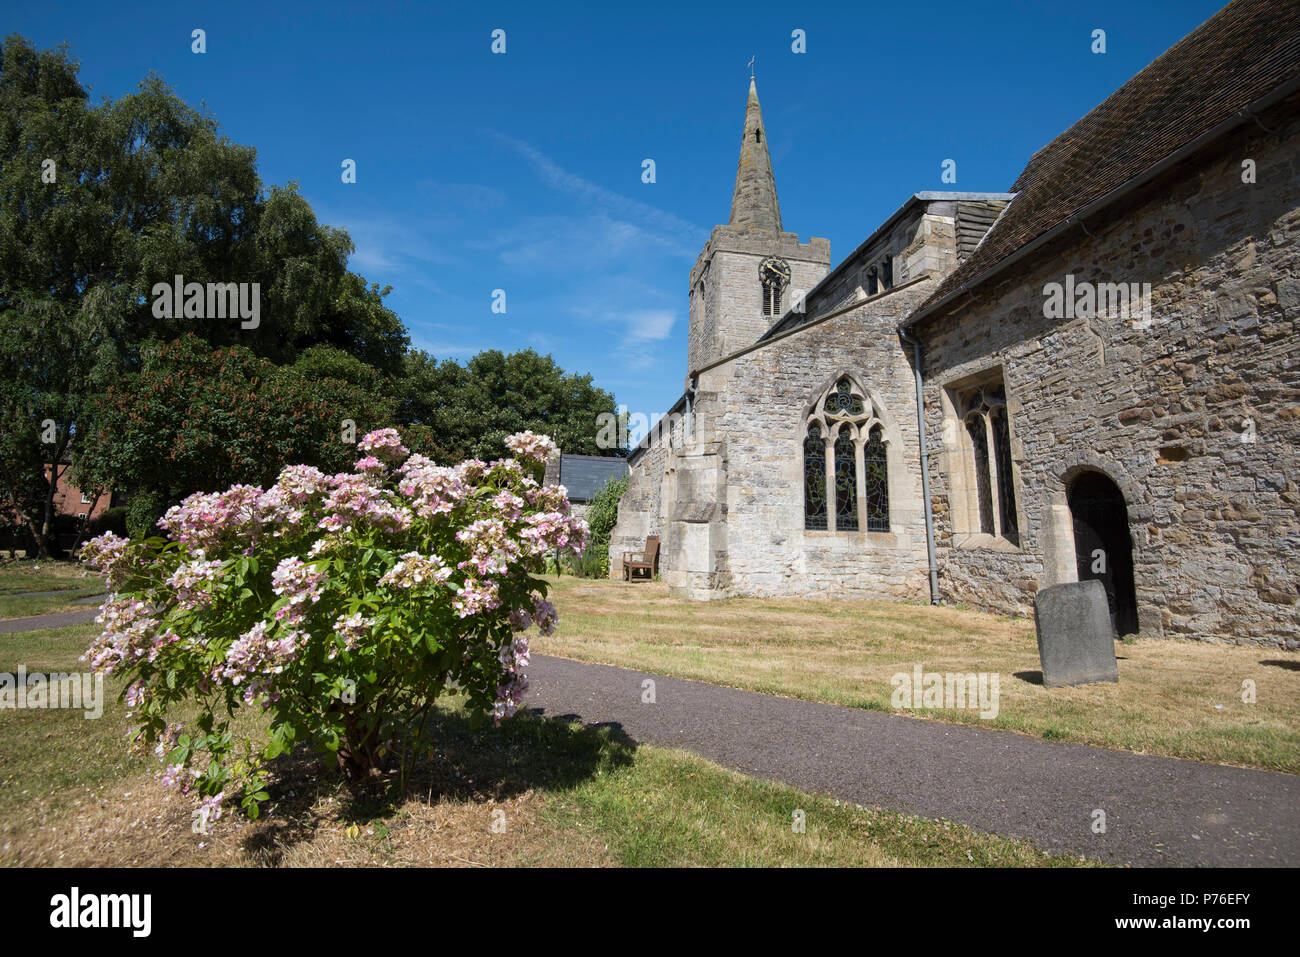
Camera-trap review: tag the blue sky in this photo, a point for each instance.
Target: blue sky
(523, 171)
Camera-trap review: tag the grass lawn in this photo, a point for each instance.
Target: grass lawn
(70, 580)
(534, 792)
(1174, 697)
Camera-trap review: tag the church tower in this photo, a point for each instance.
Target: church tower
(750, 273)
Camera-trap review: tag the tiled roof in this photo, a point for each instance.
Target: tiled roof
(1242, 53)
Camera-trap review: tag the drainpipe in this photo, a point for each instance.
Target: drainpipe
(689, 431)
(925, 465)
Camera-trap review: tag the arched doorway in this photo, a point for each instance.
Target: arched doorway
(1103, 548)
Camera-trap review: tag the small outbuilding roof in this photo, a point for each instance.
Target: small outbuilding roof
(585, 475)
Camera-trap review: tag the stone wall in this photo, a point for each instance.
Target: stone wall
(641, 509)
(756, 406)
(1194, 415)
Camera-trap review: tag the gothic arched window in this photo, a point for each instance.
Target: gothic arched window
(985, 417)
(846, 468)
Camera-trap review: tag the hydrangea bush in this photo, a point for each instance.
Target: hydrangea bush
(343, 605)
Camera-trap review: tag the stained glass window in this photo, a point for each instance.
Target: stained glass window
(846, 413)
(846, 483)
(876, 474)
(842, 401)
(814, 479)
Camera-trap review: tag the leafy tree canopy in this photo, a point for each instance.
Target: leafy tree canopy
(475, 406)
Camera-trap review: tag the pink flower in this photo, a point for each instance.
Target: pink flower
(531, 446)
(111, 555)
(385, 444)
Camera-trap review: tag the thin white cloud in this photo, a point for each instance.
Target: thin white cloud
(669, 230)
(472, 196)
(649, 325)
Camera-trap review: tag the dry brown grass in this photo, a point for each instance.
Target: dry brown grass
(138, 824)
(1175, 697)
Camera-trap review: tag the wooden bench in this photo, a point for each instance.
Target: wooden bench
(647, 561)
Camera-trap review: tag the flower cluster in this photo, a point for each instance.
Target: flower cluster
(493, 547)
(111, 556)
(385, 444)
(431, 489)
(191, 582)
(544, 617)
(300, 583)
(255, 655)
(351, 629)
(510, 693)
(207, 520)
(356, 502)
(130, 634)
(414, 569)
(527, 445)
(547, 530)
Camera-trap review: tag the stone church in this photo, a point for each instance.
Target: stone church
(1095, 374)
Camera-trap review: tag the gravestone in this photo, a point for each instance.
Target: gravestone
(1075, 642)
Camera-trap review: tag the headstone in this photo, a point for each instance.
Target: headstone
(1075, 642)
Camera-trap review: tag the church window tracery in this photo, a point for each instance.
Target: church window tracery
(846, 469)
(984, 414)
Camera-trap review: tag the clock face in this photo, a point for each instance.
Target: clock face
(774, 270)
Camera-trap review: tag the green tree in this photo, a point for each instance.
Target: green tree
(194, 419)
(473, 407)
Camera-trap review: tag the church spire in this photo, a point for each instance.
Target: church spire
(754, 205)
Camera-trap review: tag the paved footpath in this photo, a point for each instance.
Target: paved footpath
(60, 620)
(1159, 811)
